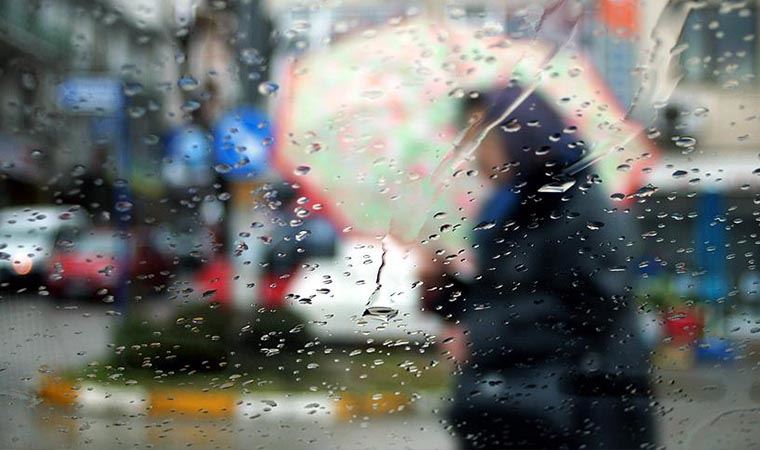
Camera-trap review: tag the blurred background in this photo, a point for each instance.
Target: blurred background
(193, 195)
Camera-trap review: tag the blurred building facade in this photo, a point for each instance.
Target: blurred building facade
(82, 78)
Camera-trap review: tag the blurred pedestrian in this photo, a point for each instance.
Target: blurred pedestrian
(545, 334)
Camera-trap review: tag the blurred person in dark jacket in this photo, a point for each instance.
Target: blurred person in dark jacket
(545, 336)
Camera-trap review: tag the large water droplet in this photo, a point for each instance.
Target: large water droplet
(646, 191)
(685, 141)
(78, 170)
(132, 88)
(302, 170)
(557, 186)
(268, 88)
(380, 312)
(251, 56)
(511, 126)
(136, 112)
(123, 206)
(222, 168)
(484, 226)
(187, 83)
(618, 196)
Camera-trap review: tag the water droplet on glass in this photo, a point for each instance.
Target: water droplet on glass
(187, 83)
(123, 206)
(191, 105)
(132, 88)
(251, 56)
(685, 141)
(558, 186)
(268, 88)
(78, 170)
(302, 170)
(380, 312)
(484, 226)
(136, 112)
(646, 191)
(151, 139)
(511, 126)
(618, 196)
(457, 93)
(222, 168)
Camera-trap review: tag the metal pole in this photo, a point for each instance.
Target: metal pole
(123, 206)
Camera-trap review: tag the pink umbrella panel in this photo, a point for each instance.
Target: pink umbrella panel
(364, 125)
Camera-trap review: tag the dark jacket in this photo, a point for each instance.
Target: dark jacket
(553, 334)
(556, 357)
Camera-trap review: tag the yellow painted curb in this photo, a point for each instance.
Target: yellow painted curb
(357, 405)
(674, 357)
(191, 403)
(187, 402)
(58, 391)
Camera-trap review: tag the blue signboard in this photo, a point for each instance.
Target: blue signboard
(711, 248)
(91, 95)
(188, 152)
(188, 145)
(242, 143)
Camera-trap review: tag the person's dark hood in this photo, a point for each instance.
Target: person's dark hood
(538, 142)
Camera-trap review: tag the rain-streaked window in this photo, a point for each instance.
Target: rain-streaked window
(422, 224)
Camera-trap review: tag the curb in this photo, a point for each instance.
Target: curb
(97, 399)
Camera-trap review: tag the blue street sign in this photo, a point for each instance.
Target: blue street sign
(188, 150)
(90, 95)
(242, 143)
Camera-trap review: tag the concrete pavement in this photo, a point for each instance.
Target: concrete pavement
(704, 408)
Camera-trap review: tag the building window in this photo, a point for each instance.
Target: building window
(720, 45)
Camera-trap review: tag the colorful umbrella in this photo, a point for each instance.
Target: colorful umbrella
(367, 126)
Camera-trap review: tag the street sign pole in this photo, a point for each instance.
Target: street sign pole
(123, 209)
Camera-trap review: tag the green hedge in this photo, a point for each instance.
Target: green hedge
(203, 338)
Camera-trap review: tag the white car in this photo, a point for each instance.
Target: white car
(27, 237)
(332, 294)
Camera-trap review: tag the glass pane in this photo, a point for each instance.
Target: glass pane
(352, 224)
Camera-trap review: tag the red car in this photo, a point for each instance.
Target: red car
(88, 263)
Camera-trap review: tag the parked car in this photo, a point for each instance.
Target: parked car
(327, 279)
(27, 237)
(331, 292)
(92, 262)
